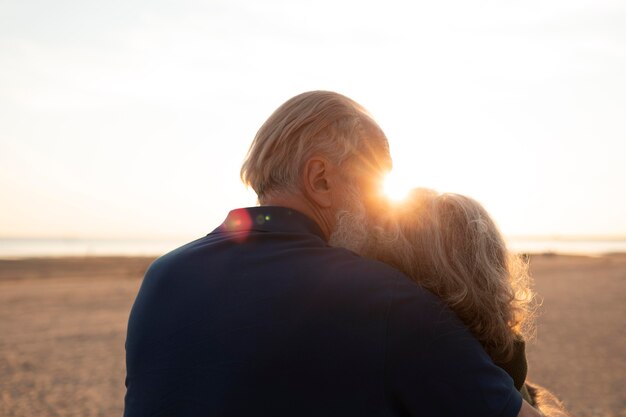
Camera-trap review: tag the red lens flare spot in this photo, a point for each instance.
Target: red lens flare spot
(238, 225)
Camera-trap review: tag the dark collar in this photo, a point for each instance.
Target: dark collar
(270, 219)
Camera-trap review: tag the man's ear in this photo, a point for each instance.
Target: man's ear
(318, 182)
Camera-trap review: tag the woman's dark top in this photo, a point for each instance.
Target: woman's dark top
(517, 368)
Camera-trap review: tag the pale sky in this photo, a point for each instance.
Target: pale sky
(131, 118)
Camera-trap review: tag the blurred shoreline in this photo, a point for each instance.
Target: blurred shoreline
(19, 248)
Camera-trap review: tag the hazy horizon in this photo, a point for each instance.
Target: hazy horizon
(203, 233)
(19, 248)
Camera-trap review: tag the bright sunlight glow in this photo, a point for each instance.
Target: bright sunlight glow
(396, 187)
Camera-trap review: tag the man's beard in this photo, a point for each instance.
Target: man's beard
(351, 223)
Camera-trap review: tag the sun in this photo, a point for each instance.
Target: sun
(396, 187)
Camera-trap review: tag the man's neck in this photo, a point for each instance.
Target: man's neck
(301, 204)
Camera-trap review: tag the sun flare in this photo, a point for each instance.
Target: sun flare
(395, 187)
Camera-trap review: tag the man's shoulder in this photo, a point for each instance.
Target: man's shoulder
(184, 257)
(310, 259)
(350, 273)
(349, 260)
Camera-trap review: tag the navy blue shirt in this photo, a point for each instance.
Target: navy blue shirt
(263, 318)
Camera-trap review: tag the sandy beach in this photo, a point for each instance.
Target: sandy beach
(63, 325)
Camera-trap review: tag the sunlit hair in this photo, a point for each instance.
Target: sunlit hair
(316, 123)
(451, 246)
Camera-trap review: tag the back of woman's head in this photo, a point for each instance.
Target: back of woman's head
(450, 245)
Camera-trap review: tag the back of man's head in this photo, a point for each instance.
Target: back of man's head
(320, 123)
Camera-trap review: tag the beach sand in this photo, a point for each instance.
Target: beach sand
(63, 325)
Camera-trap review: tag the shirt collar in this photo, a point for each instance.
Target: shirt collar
(270, 219)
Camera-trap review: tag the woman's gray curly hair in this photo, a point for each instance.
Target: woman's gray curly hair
(449, 245)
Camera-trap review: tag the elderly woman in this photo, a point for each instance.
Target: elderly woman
(449, 245)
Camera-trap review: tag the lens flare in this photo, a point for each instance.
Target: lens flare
(238, 224)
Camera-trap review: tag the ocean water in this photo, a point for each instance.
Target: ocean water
(21, 248)
(568, 246)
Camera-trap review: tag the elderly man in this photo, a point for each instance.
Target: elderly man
(266, 316)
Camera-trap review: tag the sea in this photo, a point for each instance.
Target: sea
(11, 248)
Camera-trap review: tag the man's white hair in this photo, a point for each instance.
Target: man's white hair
(316, 123)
